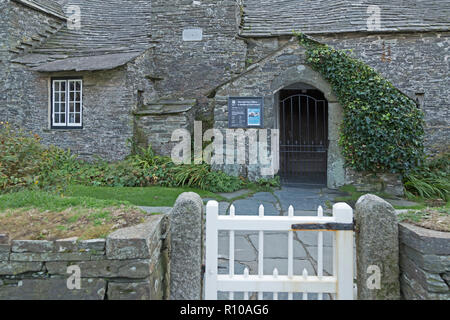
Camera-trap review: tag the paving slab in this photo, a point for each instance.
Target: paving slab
(251, 207)
(276, 246)
(305, 200)
(232, 195)
(224, 267)
(327, 258)
(310, 238)
(244, 251)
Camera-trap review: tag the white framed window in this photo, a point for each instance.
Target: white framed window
(67, 103)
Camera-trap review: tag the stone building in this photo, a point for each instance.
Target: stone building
(133, 71)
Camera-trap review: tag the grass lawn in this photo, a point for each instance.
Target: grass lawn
(84, 212)
(430, 218)
(145, 196)
(353, 196)
(39, 215)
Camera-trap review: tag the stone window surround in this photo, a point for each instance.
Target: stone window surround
(51, 82)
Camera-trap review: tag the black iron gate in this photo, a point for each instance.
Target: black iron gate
(303, 139)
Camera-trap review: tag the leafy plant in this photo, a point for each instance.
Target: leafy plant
(431, 180)
(25, 162)
(382, 130)
(146, 158)
(201, 176)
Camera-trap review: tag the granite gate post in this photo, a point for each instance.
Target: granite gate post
(377, 249)
(186, 230)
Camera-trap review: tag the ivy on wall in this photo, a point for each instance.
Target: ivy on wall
(382, 130)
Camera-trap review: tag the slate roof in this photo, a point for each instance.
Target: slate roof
(273, 18)
(49, 6)
(112, 33)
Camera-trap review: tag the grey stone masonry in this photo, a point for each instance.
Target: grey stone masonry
(376, 182)
(424, 263)
(186, 251)
(377, 256)
(130, 264)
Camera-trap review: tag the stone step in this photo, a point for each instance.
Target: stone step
(14, 50)
(172, 102)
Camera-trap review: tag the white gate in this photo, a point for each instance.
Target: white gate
(340, 284)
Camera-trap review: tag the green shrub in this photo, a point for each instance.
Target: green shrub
(218, 181)
(201, 176)
(25, 162)
(20, 158)
(269, 183)
(382, 129)
(146, 158)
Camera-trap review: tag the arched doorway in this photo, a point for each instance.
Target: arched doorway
(303, 123)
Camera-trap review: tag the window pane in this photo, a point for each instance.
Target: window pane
(67, 91)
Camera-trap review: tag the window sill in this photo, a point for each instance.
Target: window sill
(63, 129)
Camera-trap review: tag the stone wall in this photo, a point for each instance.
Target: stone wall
(416, 63)
(376, 182)
(189, 69)
(265, 78)
(107, 105)
(424, 263)
(130, 264)
(21, 28)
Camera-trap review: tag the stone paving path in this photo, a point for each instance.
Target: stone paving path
(305, 201)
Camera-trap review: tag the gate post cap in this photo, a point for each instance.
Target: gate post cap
(343, 213)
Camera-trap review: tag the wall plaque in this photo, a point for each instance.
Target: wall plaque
(193, 34)
(245, 112)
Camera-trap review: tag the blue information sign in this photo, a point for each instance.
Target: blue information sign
(245, 112)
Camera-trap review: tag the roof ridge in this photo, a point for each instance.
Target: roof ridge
(42, 8)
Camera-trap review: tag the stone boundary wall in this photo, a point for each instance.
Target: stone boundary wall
(398, 260)
(376, 182)
(130, 264)
(424, 263)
